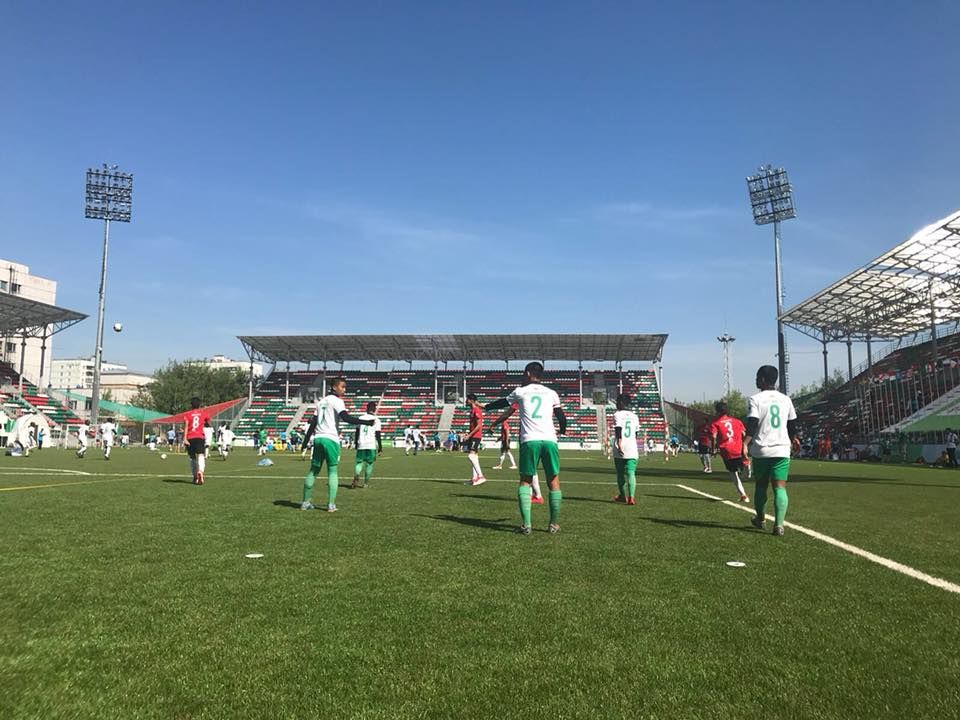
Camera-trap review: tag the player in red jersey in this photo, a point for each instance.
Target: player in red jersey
(727, 438)
(194, 439)
(505, 447)
(705, 445)
(472, 442)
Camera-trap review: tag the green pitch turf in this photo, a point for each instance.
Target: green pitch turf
(125, 593)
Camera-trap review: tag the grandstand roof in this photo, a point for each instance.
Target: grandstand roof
(891, 296)
(18, 315)
(453, 348)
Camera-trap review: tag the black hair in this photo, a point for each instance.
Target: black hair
(767, 375)
(623, 400)
(534, 369)
(471, 396)
(338, 379)
(371, 406)
(195, 402)
(720, 407)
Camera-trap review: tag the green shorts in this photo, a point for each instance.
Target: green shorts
(767, 469)
(625, 465)
(535, 452)
(367, 456)
(325, 451)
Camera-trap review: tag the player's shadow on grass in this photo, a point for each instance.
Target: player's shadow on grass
(499, 525)
(644, 472)
(699, 524)
(478, 496)
(287, 503)
(177, 480)
(866, 481)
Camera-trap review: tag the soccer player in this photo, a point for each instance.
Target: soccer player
(407, 440)
(262, 438)
(472, 442)
(225, 441)
(625, 425)
(194, 438)
(951, 447)
(83, 431)
(324, 430)
(417, 438)
(704, 445)
(369, 445)
(771, 434)
(538, 405)
(207, 440)
(726, 437)
(505, 447)
(108, 433)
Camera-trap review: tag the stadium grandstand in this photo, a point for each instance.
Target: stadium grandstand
(910, 295)
(23, 318)
(432, 396)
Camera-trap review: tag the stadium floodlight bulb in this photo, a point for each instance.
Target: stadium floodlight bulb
(771, 195)
(109, 194)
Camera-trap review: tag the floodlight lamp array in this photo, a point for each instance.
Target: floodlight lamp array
(771, 195)
(109, 194)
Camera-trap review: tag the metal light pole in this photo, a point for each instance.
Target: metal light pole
(109, 197)
(726, 340)
(771, 198)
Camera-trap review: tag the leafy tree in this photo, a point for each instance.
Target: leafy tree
(736, 404)
(175, 384)
(806, 395)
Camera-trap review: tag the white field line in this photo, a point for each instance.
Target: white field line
(54, 471)
(853, 549)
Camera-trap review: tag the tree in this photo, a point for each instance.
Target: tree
(175, 384)
(736, 405)
(807, 395)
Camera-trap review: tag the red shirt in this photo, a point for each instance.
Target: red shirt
(504, 432)
(706, 437)
(476, 422)
(196, 420)
(729, 433)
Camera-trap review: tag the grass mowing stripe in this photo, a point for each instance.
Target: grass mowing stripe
(853, 549)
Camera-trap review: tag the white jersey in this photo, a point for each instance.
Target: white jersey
(629, 423)
(226, 437)
(772, 409)
(536, 403)
(328, 418)
(952, 440)
(368, 433)
(83, 431)
(208, 435)
(107, 431)
(415, 435)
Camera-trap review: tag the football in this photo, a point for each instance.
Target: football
(163, 456)
(117, 327)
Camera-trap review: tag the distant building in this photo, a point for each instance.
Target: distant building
(77, 373)
(16, 279)
(117, 385)
(225, 363)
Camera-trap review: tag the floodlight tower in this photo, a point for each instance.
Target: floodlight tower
(726, 340)
(771, 198)
(109, 197)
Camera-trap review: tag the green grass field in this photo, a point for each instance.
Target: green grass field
(125, 593)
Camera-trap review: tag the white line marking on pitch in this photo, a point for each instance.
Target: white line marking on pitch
(853, 549)
(53, 471)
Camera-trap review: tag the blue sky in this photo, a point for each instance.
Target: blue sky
(487, 167)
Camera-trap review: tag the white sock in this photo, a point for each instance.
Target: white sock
(513, 463)
(735, 476)
(475, 463)
(502, 456)
(535, 483)
(201, 463)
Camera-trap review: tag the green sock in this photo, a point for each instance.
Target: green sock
(618, 464)
(760, 497)
(632, 483)
(556, 497)
(780, 502)
(524, 493)
(333, 482)
(357, 468)
(308, 484)
(367, 473)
